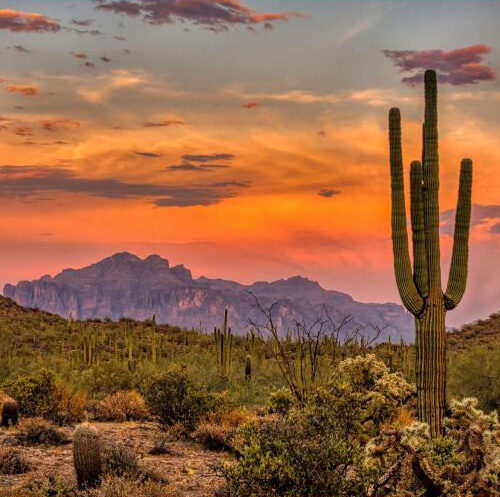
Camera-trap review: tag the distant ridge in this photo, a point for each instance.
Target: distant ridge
(125, 285)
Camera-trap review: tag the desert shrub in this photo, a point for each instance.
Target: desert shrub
(12, 462)
(70, 407)
(36, 394)
(37, 431)
(172, 397)
(44, 484)
(476, 372)
(318, 449)
(122, 487)
(119, 460)
(281, 401)
(462, 463)
(121, 406)
(42, 394)
(218, 432)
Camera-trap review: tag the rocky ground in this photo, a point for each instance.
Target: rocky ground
(188, 468)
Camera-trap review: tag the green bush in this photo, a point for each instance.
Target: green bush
(319, 449)
(476, 372)
(172, 398)
(36, 394)
(281, 401)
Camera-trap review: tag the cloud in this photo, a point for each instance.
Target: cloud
(26, 90)
(215, 15)
(79, 55)
(495, 229)
(59, 124)
(203, 168)
(109, 83)
(250, 105)
(26, 182)
(207, 158)
(23, 130)
(82, 22)
(463, 66)
(17, 21)
(328, 192)
(481, 215)
(20, 49)
(147, 154)
(162, 124)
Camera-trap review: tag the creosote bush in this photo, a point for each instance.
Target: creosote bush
(173, 397)
(120, 406)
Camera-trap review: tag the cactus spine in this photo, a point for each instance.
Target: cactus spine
(224, 348)
(87, 456)
(420, 289)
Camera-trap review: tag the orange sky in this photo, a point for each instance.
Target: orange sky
(233, 152)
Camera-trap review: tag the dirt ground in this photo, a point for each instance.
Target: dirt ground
(187, 466)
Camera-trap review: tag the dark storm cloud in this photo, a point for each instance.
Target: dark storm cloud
(216, 15)
(26, 182)
(463, 66)
(328, 192)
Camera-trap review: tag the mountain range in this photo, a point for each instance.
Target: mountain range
(125, 285)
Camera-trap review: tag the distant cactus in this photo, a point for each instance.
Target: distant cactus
(153, 340)
(10, 412)
(248, 368)
(420, 287)
(87, 456)
(224, 347)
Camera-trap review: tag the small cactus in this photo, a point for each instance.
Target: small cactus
(10, 412)
(248, 368)
(87, 456)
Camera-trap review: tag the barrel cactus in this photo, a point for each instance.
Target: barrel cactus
(87, 456)
(10, 412)
(420, 287)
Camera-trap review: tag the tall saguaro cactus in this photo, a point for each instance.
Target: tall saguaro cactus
(420, 288)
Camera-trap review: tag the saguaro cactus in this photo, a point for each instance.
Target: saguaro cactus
(224, 348)
(87, 456)
(420, 289)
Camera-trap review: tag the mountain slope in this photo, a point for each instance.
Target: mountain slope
(125, 285)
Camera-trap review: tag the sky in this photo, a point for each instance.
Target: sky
(245, 139)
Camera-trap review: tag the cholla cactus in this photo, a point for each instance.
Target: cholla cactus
(87, 456)
(420, 287)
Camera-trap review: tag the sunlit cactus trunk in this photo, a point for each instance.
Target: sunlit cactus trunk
(420, 286)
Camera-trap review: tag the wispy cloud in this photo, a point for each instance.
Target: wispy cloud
(24, 182)
(162, 124)
(463, 66)
(25, 90)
